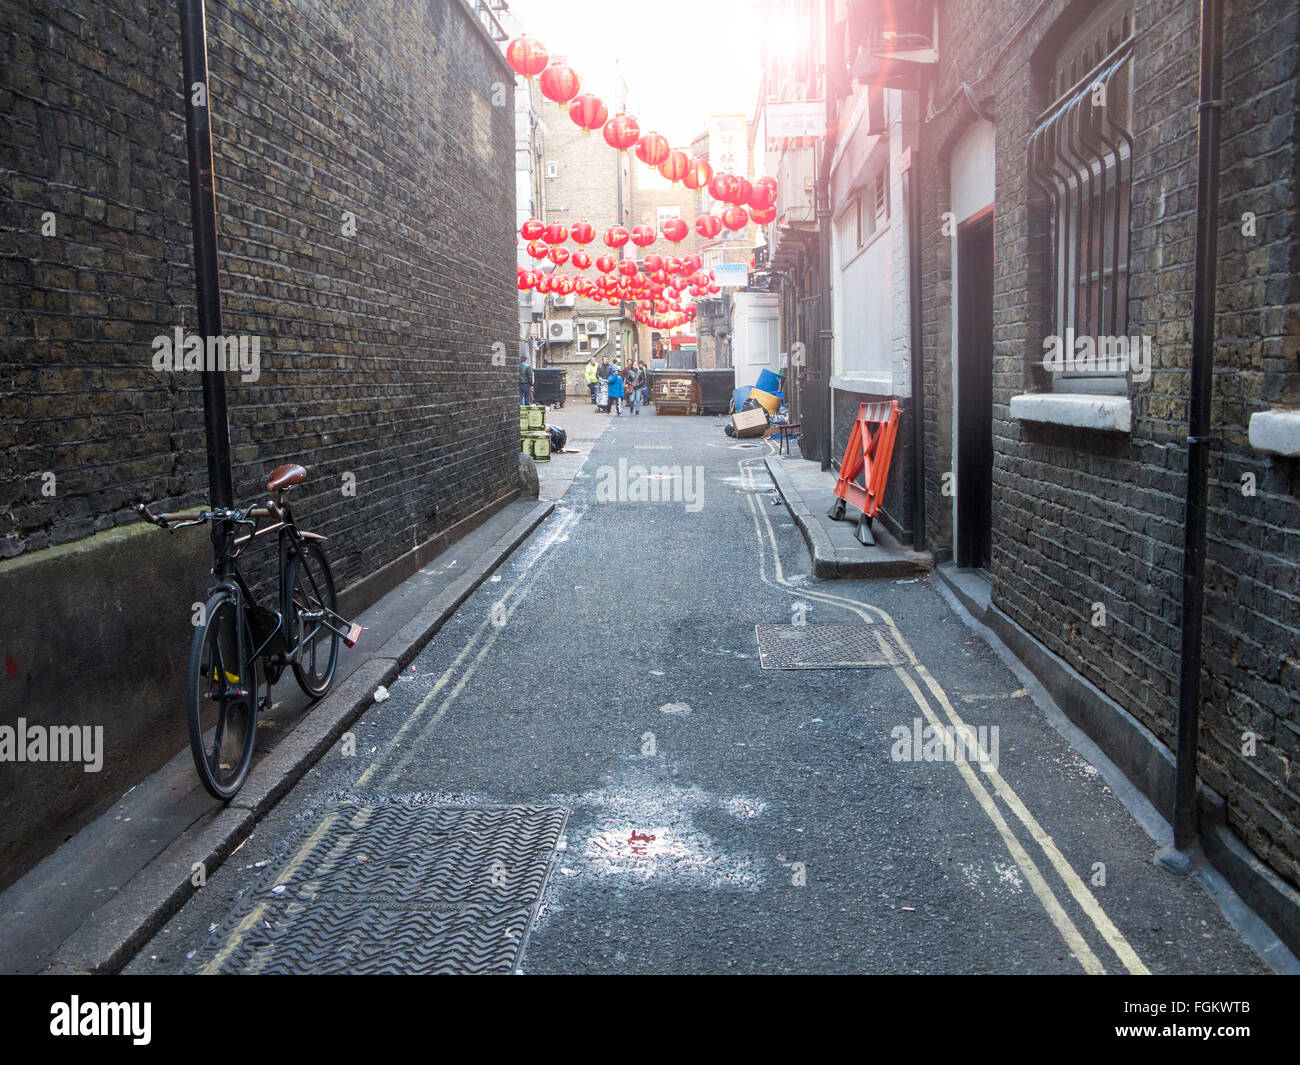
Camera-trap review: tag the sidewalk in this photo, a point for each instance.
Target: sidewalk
(808, 492)
(108, 888)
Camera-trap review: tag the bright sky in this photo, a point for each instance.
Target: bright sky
(683, 60)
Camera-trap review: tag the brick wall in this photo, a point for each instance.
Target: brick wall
(1082, 518)
(376, 347)
(376, 344)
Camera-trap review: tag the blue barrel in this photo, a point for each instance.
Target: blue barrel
(768, 382)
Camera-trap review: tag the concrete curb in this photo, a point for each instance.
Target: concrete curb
(1145, 761)
(116, 931)
(829, 563)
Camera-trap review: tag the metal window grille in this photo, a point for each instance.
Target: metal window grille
(1081, 155)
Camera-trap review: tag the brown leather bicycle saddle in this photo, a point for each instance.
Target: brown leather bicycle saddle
(285, 476)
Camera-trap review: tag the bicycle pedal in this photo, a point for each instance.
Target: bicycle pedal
(354, 634)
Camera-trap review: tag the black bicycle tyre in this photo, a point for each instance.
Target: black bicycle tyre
(322, 590)
(220, 785)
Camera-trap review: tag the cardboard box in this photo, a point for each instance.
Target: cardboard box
(749, 423)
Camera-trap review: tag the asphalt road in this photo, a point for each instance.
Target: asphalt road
(613, 671)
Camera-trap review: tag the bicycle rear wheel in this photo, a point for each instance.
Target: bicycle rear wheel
(222, 697)
(313, 600)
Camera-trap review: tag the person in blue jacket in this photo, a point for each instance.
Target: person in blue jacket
(615, 391)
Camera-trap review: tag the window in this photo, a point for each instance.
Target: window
(858, 219)
(552, 170)
(1080, 156)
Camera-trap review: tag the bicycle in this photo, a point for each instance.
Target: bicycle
(234, 630)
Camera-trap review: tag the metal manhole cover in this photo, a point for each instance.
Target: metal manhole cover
(396, 888)
(826, 647)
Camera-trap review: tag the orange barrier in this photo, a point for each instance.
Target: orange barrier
(868, 453)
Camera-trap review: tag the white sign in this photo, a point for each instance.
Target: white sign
(731, 275)
(795, 118)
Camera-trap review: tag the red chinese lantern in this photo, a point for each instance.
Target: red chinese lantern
(691, 263)
(555, 233)
(616, 237)
(675, 166)
(559, 256)
(723, 187)
(583, 232)
(643, 236)
(735, 218)
(627, 267)
(672, 265)
(676, 229)
(562, 285)
(588, 112)
(652, 263)
(526, 56)
(698, 174)
(581, 260)
(558, 83)
(526, 279)
(543, 283)
(532, 229)
(740, 196)
(606, 263)
(537, 249)
(621, 132)
(763, 216)
(652, 148)
(761, 197)
(708, 226)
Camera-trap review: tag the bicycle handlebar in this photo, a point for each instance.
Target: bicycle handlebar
(181, 519)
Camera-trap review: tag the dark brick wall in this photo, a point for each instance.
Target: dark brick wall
(376, 347)
(1082, 518)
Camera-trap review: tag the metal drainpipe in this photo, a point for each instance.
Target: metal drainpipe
(203, 216)
(912, 202)
(825, 330)
(1198, 438)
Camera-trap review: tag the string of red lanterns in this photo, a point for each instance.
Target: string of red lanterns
(561, 84)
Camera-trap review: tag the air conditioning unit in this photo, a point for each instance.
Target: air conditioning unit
(594, 326)
(561, 331)
(564, 301)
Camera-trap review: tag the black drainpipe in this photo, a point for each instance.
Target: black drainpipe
(207, 281)
(1198, 432)
(912, 204)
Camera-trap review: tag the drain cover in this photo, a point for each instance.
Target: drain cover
(825, 647)
(396, 888)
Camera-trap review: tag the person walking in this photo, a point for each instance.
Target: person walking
(602, 384)
(615, 390)
(634, 385)
(591, 378)
(525, 381)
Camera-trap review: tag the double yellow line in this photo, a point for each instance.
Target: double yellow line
(914, 676)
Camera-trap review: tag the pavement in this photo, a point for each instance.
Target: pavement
(809, 492)
(592, 741)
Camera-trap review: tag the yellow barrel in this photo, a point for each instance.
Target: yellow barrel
(765, 400)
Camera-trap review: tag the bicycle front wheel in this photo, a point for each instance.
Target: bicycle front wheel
(222, 697)
(313, 603)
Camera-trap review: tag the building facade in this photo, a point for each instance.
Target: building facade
(1050, 150)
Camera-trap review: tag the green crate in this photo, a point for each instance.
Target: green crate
(536, 416)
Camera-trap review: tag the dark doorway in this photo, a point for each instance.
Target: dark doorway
(974, 547)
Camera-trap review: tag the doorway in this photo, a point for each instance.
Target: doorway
(974, 539)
